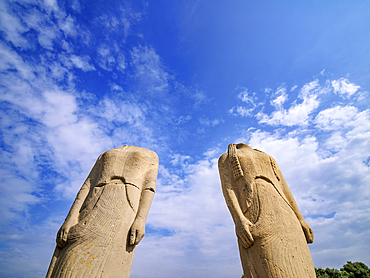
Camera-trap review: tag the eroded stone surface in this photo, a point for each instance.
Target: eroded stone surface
(272, 234)
(107, 219)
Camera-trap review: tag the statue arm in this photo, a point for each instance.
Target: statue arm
(288, 194)
(137, 230)
(242, 224)
(72, 217)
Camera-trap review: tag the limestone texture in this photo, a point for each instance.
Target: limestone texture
(107, 219)
(272, 233)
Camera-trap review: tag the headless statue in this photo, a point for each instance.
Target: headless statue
(272, 233)
(107, 219)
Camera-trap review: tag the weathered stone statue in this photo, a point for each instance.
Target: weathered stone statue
(272, 234)
(107, 219)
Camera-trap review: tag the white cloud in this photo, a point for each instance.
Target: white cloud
(52, 3)
(76, 5)
(59, 71)
(71, 136)
(280, 97)
(68, 26)
(245, 96)
(47, 36)
(12, 27)
(183, 119)
(116, 88)
(325, 166)
(298, 113)
(126, 25)
(248, 106)
(336, 117)
(41, 20)
(240, 110)
(110, 21)
(120, 22)
(121, 60)
(329, 179)
(344, 87)
(208, 122)
(149, 71)
(128, 18)
(199, 227)
(82, 62)
(66, 46)
(293, 88)
(106, 58)
(336, 142)
(52, 134)
(59, 127)
(12, 61)
(118, 110)
(178, 159)
(34, 19)
(19, 247)
(58, 130)
(310, 89)
(17, 192)
(199, 96)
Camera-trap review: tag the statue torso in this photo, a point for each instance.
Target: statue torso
(128, 163)
(255, 165)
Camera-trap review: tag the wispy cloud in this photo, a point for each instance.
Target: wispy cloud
(69, 92)
(280, 96)
(249, 103)
(82, 62)
(197, 222)
(12, 26)
(298, 113)
(52, 132)
(208, 122)
(106, 57)
(122, 21)
(326, 168)
(149, 71)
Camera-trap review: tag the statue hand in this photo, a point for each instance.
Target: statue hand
(62, 235)
(243, 232)
(137, 231)
(307, 231)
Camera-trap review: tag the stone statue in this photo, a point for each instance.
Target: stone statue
(272, 234)
(107, 219)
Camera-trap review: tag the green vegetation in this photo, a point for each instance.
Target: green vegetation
(349, 270)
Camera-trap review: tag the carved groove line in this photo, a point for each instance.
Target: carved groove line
(234, 162)
(269, 181)
(90, 238)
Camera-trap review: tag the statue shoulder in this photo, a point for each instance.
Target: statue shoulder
(223, 163)
(257, 150)
(153, 157)
(144, 154)
(222, 159)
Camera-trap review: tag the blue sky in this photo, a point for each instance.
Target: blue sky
(185, 79)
